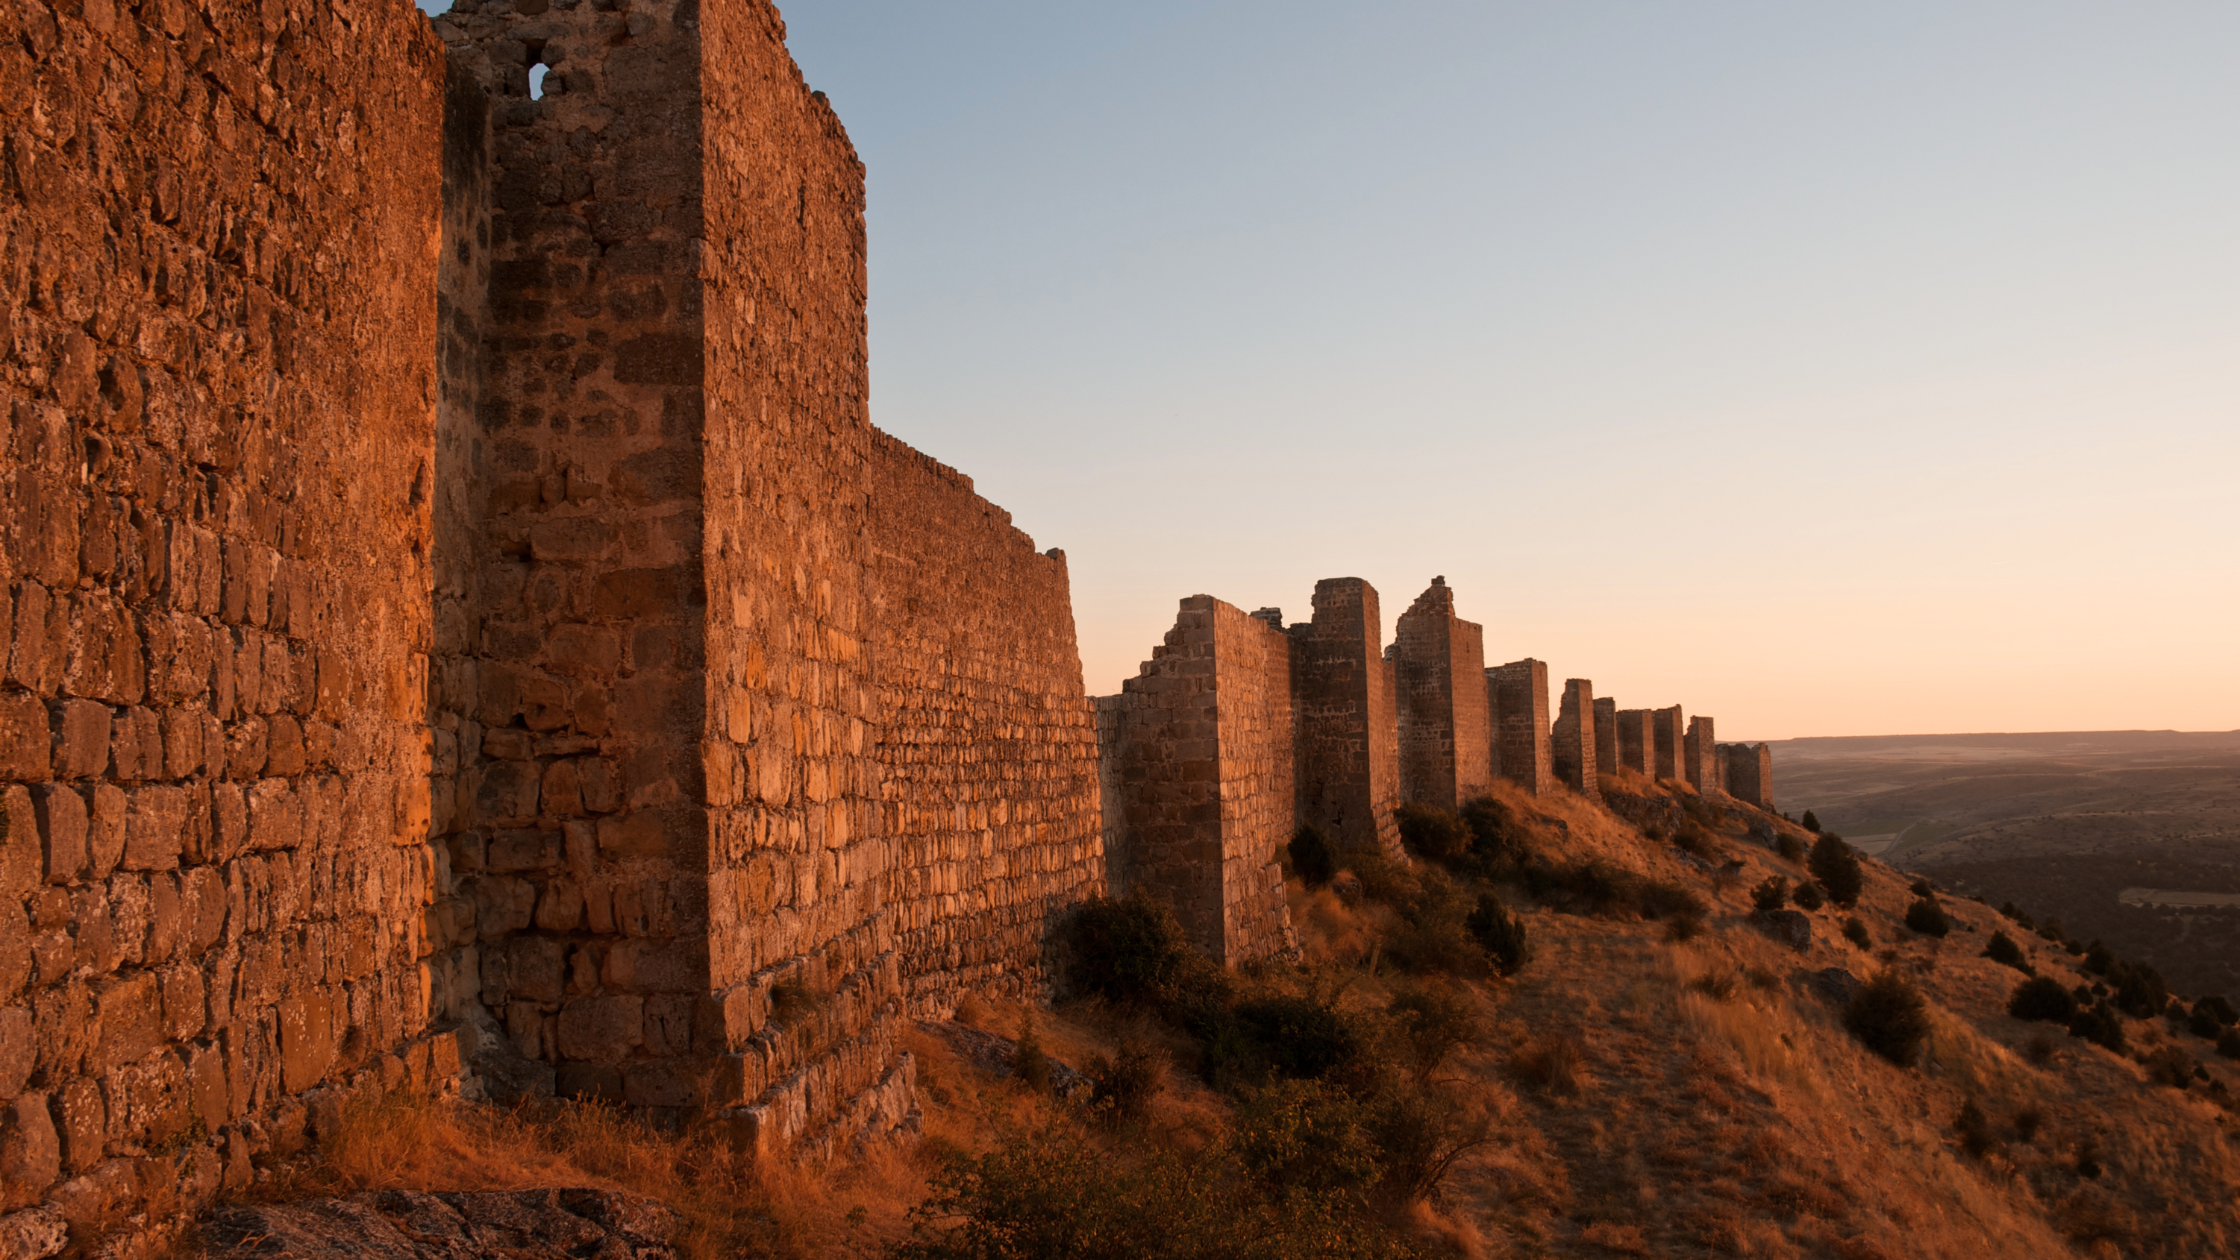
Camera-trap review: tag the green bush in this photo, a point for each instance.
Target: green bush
(1856, 932)
(2202, 1024)
(1433, 833)
(1304, 1136)
(2170, 1066)
(1927, 917)
(1923, 888)
(1789, 847)
(1807, 896)
(2100, 1025)
(1429, 1025)
(2042, 998)
(2016, 916)
(1812, 822)
(2140, 991)
(2218, 1009)
(1122, 1088)
(1432, 936)
(1132, 950)
(2099, 960)
(1313, 857)
(1889, 1016)
(1770, 895)
(1837, 868)
(1501, 934)
(2005, 952)
(1306, 1038)
(1498, 840)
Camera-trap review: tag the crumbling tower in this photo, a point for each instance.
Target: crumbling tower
(1518, 695)
(1637, 740)
(1574, 751)
(1438, 658)
(1605, 736)
(1702, 758)
(1748, 773)
(1198, 749)
(1348, 752)
(1671, 742)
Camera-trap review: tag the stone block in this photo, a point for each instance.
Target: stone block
(22, 853)
(63, 830)
(156, 828)
(18, 1049)
(26, 744)
(601, 1029)
(82, 730)
(307, 1043)
(108, 829)
(30, 1151)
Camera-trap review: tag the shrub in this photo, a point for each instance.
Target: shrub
(2027, 1122)
(1923, 888)
(1683, 927)
(2140, 991)
(1692, 837)
(1889, 1016)
(1927, 917)
(1131, 949)
(2042, 998)
(2099, 960)
(1029, 1065)
(2039, 1050)
(1306, 1038)
(1662, 899)
(1837, 868)
(2217, 1009)
(2202, 1024)
(1807, 896)
(1419, 1135)
(1973, 1128)
(2088, 1157)
(1313, 857)
(1500, 933)
(1306, 1136)
(1856, 932)
(2004, 951)
(2170, 1066)
(1812, 822)
(1430, 1026)
(1789, 847)
(1551, 1063)
(1431, 832)
(1719, 986)
(1122, 1088)
(1770, 895)
(2100, 1025)
(1595, 887)
(1497, 839)
(2228, 1044)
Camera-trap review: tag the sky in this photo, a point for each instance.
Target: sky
(1828, 369)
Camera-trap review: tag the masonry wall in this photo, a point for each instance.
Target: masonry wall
(1445, 731)
(217, 402)
(1701, 751)
(1669, 746)
(1201, 792)
(1747, 771)
(1572, 742)
(987, 752)
(1347, 751)
(1605, 736)
(1637, 741)
(1518, 696)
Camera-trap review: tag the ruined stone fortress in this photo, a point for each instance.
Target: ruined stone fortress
(461, 625)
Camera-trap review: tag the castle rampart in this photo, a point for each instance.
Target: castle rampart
(1518, 697)
(1747, 770)
(1348, 754)
(1670, 743)
(1637, 740)
(1446, 756)
(1605, 736)
(1702, 755)
(1572, 743)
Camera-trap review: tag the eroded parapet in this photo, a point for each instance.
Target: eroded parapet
(1573, 741)
(1347, 714)
(1748, 772)
(1605, 736)
(1446, 756)
(1669, 747)
(1637, 740)
(1200, 791)
(1518, 697)
(1701, 755)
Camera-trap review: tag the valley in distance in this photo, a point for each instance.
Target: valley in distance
(2130, 837)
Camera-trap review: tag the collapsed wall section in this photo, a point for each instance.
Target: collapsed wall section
(1200, 789)
(1747, 772)
(1637, 740)
(217, 402)
(1517, 693)
(1444, 729)
(1573, 740)
(1347, 714)
(987, 752)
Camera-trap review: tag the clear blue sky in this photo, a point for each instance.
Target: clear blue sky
(1827, 368)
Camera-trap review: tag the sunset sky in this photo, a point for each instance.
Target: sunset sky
(1830, 369)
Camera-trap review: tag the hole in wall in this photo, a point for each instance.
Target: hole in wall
(435, 8)
(536, 81)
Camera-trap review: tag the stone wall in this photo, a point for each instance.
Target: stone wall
(1637, 741)
(1446, 756)
(987, 750)
(1605, 736)
(1200, 793)
(218, 237)
(1669, 745)
(1573, 747)
(1348, 753)
(1747, 772)
(1518, 697)
(1702, 754)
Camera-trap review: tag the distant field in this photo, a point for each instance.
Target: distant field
(2075, 825)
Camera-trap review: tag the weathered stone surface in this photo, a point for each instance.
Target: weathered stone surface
(1572, 743)
(1518, 697)
(1746, 771)
(1700, 759)
(1446, 732)
(480, 1225)
(1605, 736)
(996, 1055)
(1347, 709)
(1668, 751)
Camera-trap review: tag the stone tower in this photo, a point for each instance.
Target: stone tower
(1445, 731)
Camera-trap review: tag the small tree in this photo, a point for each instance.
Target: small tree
(1927, 917)
(1812, 822)
(1770, 895)
(2042, 998)
(1837, 868)
(1856, 932)
(1807, 896)
(1889, 1016)
(2005, 952)
(1431, 832)
(1500, 933)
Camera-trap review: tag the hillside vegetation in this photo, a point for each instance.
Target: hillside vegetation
(1562, 1029)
